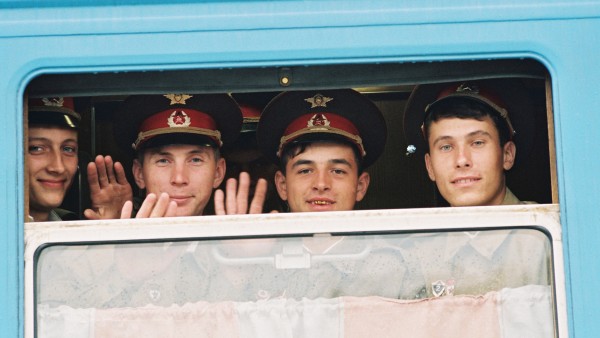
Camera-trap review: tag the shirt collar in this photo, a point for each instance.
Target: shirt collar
(485, 245)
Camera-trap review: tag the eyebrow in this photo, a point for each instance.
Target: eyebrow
(471, 134)
(162, 152)
(332, 161)
(302, 162)
(45, 139)
(340, 161)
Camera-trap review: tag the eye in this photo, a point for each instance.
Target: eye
(304, 171)
(446, 148)
(161, 162)
(35, 149)
(478, 143)
(196, 160)
(69, 149)
(338, 171)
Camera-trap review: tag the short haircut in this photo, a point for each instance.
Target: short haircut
(465, 109)
(294, 149)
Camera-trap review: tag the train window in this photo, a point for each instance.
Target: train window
(400, 260)
(97, 97)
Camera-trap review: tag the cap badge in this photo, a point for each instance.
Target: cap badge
(177, 98)
(53, 101)
(179, 119)
(318, 120)
(318, 101)
(466, 88)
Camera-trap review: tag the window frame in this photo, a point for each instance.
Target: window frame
(544, 217)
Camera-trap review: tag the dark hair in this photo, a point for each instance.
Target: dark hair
(465, 109)
(294, 149)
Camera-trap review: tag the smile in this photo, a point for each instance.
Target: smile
(321, 202)
(466, 180)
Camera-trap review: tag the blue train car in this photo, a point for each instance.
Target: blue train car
(102, 51)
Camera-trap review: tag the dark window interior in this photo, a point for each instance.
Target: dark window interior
(397, 180)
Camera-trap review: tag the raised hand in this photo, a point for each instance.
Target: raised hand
(235, 198)
(109, 189)
(152, 207)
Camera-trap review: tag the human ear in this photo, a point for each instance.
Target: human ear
(280, 184)
(138, 174)
(509, 154)
(219, 172)
(429, 167)
(363, 184)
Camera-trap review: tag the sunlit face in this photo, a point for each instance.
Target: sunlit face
(51, 166)
(322, 178)
(188, 173)
(467, 162)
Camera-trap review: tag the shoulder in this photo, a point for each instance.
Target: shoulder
(511, 199)
(62, 215)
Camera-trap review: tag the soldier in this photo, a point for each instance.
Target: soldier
(177, 140)
(52, 162)
(322, 142)
(469, 135)
(468, 138)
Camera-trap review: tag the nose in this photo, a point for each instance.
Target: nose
(322, 181)
(179, 174)
(57, 164)
(463, 158)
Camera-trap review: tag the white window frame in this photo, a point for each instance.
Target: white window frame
(545, 217)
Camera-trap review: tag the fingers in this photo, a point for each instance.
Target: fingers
(157, 207)
(120, 173)
(171, 210)
(91, 214)
(109, 168)
(92, 175)
(260, 194)
(243, 193)
(236, 196)
(127, 210)
(231, 207)
(220, 202)
(101, 167)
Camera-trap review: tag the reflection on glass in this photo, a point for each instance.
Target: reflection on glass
(322, 286)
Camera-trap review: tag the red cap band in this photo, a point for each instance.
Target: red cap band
(327, 123)
(178, 120)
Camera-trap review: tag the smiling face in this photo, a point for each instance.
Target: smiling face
(324, 177)
(188, 173)
(467, 162)
(51, 165)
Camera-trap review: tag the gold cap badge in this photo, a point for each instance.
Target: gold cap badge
(318, 101)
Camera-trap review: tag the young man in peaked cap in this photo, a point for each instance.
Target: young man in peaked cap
(51, 155)
(177, 140)
(469, 133)
(322, 141)
(52, 164)
(469, 138)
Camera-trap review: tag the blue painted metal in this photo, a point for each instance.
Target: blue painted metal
(95, 36)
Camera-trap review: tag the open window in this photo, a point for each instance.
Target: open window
(400, 180)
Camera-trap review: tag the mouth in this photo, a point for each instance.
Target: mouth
(52, 183)
(465, 180)
(180, 199)
(321, 202)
